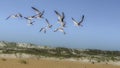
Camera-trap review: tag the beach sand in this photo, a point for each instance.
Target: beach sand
(49, 63)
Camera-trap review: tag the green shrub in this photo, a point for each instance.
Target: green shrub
(23, 62)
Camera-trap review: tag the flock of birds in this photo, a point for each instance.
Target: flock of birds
(39, 15)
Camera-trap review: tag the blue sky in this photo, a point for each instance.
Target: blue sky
(101, 27)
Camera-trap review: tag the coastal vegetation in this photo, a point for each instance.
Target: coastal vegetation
(61, 52)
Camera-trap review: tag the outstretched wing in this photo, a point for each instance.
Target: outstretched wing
(42, 14)
(8, 17)
(58, 14)
(47, 22)
(74, 21)
(82, 19)
(36, 10)
(63, 16)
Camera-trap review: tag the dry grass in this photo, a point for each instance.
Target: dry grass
(43, 63)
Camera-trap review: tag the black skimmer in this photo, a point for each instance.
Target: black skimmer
(61, 18)
(60, 29)
(38, 13)
(39, 16)
(43, 29)
(29, 19)
(48, 24)
(46, 27)
(78, 23)
(15, 16)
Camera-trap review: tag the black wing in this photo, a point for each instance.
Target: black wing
(8, 17)
(37, 11)
(82, 19)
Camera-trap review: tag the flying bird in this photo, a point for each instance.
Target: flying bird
(14, 16)
(43, 29)
(48, 24)
(60, 29)
(38, 13)
(29, 19)
(60, 17)
(39, 16)
(46, 27)
(78, 23)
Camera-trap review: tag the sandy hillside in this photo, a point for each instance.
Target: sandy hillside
(43, 63)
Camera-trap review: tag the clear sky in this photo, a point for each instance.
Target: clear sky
(101, 27)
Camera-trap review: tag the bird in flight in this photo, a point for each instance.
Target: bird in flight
(39, 16)
(38, 13)
(14, 16)
(46, 27)
(60, 29)
(61, 18)
(29, 19)
(43, 29)
(78, 23)
(48, 24)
